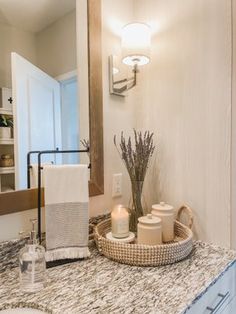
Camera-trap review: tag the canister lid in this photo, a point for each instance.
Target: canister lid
(149, 219)
(162, 206)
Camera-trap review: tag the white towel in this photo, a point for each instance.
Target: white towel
(67, 217)
(34, 175)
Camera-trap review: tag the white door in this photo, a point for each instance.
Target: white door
(37, 116)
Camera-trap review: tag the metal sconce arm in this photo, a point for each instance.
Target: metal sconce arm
(129, 82)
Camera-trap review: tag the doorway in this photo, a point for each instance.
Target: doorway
(69, 116)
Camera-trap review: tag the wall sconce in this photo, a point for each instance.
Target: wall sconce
(135, 42)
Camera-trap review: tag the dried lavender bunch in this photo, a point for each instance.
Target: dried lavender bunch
(85, 143)
(136, 159)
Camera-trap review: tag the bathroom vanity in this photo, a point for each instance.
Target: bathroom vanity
(219, 297)
(203, 283)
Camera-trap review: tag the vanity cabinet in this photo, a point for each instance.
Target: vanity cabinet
(230, 307)
(220, 297)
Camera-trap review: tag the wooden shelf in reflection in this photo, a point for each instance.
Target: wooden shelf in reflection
(6, 141)
(7, 189)
(7, 170)
(5, 111)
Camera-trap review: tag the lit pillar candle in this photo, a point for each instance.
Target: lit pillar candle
(120, 222)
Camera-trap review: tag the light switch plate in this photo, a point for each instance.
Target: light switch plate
(117, 185)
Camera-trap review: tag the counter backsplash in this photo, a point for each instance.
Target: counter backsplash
(9, 250)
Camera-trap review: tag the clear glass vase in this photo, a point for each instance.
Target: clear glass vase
(136, 209)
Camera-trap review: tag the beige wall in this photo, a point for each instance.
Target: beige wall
(184, 97)
(233, 136)
(14, 40)
(186, 101)
(56, 46)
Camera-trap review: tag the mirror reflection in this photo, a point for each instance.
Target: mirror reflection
(39, 106)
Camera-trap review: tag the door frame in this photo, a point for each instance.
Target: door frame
(66, 76)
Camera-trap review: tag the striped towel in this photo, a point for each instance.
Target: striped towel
(66, 211)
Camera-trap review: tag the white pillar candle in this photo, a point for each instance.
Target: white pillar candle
(120, 222)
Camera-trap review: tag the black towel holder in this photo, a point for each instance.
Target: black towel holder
(39, 165)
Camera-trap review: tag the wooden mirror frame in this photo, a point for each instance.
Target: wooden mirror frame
(12, 202)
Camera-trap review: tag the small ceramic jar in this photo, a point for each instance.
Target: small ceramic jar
(166, 213)
(120, 222)
(149, 230)
(6, 161)
(5, 132)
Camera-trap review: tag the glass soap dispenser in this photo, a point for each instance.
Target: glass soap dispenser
(32, 264)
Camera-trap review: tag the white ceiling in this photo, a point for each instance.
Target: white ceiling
(34, 15)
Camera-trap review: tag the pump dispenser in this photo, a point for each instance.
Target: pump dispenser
(32, 264)
(33, 236)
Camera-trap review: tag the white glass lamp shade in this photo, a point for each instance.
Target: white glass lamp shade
(136, 39)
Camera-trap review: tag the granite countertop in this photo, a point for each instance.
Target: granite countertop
(98, 285)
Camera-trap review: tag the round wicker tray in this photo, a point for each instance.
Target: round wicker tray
(147, 255)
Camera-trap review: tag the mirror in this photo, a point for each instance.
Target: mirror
(45, 102)
(40, 109)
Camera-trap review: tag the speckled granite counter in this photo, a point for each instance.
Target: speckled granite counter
(98, 285)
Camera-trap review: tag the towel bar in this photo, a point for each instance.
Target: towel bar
(40, 153)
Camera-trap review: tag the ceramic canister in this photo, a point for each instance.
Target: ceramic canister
(149, 230)
(166, 213)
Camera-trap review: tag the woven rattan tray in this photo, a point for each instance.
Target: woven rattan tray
(147, 255)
